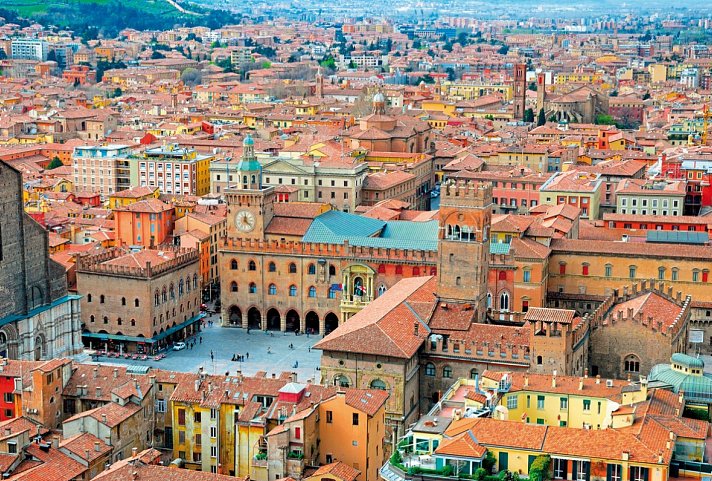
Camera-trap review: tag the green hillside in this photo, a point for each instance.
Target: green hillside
(90, 18)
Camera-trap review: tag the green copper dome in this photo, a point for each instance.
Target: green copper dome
(249, 140)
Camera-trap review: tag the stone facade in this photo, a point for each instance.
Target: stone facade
(133, 302)
(40, 319)
(633, 330)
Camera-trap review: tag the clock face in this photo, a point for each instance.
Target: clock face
(245, 221)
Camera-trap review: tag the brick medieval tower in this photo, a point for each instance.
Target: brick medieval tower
(520, 90)
(463, 250)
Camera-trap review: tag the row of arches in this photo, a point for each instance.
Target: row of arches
(273, 321)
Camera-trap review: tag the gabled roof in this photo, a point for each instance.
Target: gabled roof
(386, 326)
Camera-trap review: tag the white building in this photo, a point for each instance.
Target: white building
(29, 49)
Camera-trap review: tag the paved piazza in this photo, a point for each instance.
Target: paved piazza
(224, 342)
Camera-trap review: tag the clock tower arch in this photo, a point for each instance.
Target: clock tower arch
(250, 205)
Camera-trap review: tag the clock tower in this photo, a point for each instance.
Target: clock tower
(250, 205)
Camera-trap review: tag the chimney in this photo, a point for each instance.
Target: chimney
(667, 445)
(55, 442)
(526, 380)
(97, 446)
(96, 372)
(134, 475)
(671, 435)
(553, 379)
(415, 328)
(8, 431)
(103, 418)
(660, 459)
(197, 385)
(134, 452)
(581, 384)
(681, 397)
(585, 373)
(625, 455)
(116, 372)
(678, 296)
(598, 379)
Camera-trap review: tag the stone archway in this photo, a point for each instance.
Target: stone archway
(235, 316)
(312, 322)
(292, 321)
(10, 347)
(274, 320)
(254, 318)
(331, 322)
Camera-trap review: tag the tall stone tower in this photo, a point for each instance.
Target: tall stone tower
(250, 206)
(520, 90)
(540, 92)
(463, 248)
(319, 84)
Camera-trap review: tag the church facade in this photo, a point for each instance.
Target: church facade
(39, 319)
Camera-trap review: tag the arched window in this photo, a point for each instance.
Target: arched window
(608, 270)
(292, 290)
(233, 286)
(430, 369)
(378, 384)
(332, 293)
(312, 291)
(233, 265)
(526, 275)
(119, 321)
(292, 268)
(244, 179)
(88, 297)
(447, 372)
(195, 281)
(272, 267)
(332, 270)
(172, 292)
(674, 274)
(252, 266)
(539, 360)
(253, 288)
(91, 318)
(341, 380)
(632, 271)
(101, 299)
(631, 363)
(695, 275)
(136, 302)
(458, 281)
(272, 290)
(504, 301)
(399, 270)
(252, 179)
(164, 295)
(473, 373)
(381, 268)
(489, 300)
(311, 269)
(187, 284)
(123, 301)
(106, 320)
(416, 271)
(133, 322)
(381, 289)
(661, 273)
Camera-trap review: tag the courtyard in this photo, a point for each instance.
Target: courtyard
(268, 351)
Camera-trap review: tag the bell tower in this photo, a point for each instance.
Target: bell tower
(463, 247)
(520, 90)
(250, 205)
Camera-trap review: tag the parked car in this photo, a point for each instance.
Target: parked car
(179, 346)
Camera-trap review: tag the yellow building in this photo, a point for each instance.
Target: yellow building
(131, 196)
(566, 400)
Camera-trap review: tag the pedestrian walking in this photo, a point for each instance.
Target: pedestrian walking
(248, 355)
(269, 350)
(201, 339)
